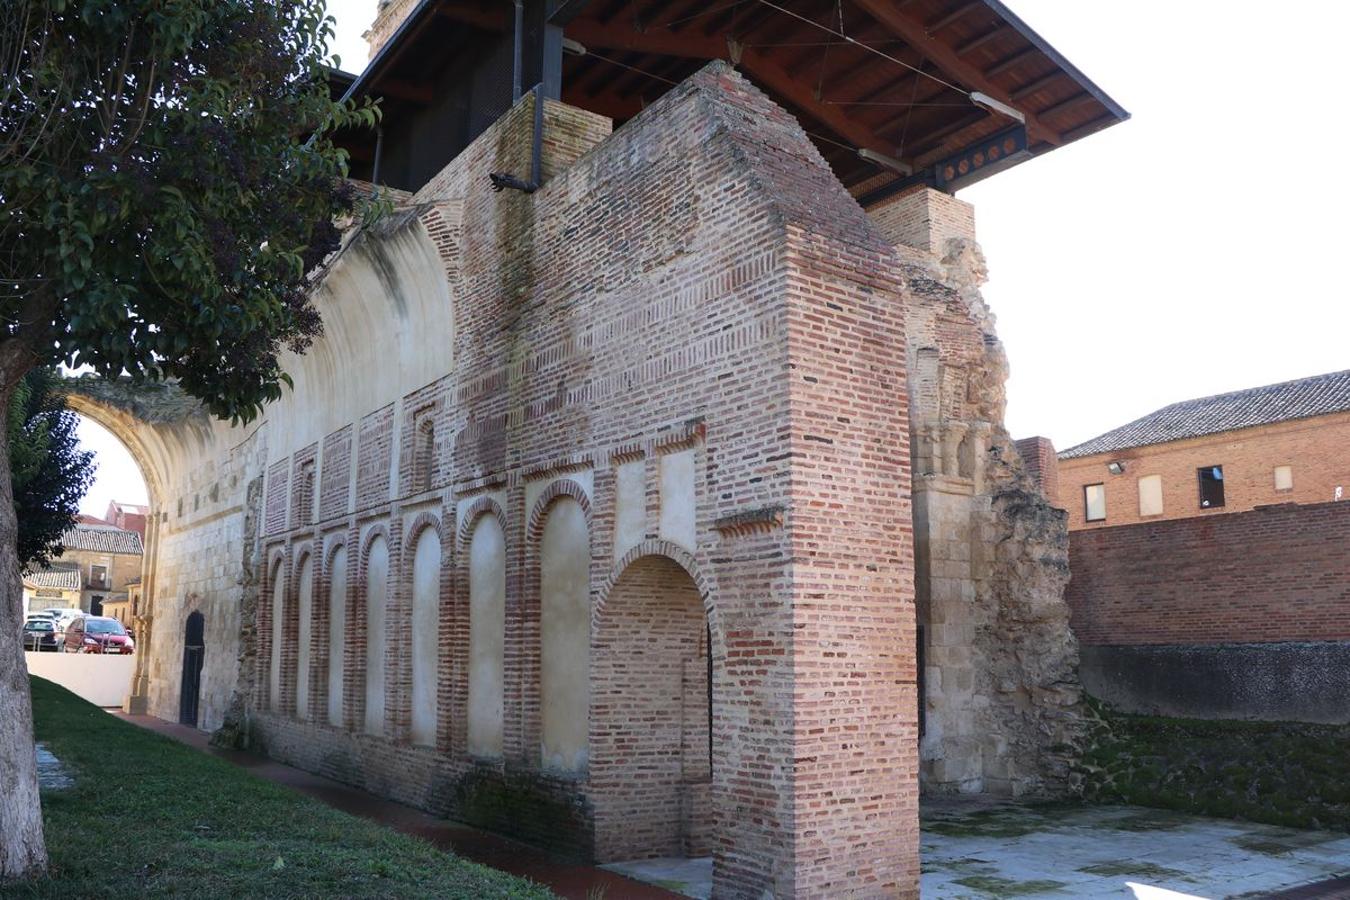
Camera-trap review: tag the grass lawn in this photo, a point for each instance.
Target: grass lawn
(149, 816)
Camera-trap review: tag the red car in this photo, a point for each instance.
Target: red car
(98, 634)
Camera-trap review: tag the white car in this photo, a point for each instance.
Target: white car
(63, 617)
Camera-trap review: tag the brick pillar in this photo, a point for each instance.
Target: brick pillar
(923, 218)
(854, 794)
(1042, 465)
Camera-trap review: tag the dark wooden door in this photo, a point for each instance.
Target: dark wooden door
(194, 654)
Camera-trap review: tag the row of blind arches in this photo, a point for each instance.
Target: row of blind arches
(340, 657)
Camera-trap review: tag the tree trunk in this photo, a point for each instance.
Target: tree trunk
(22, 851)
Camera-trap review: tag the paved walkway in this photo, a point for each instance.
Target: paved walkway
(978, 852)
(977, 849)
(568, 880)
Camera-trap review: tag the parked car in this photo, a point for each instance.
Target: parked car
(62, 617)
(40, 634)
(97, 634)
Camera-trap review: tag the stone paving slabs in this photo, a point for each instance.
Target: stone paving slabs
(52, 773)
(688, 877)
(983, 851)
(976, 850)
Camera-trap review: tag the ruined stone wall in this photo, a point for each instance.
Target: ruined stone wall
(201, 566)
(1038, 457)
(389, 15)
(1001, 693)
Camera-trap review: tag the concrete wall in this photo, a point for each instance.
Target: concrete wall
(1244, 615)
(1314, 449)
(1282, 682)
(103, 680)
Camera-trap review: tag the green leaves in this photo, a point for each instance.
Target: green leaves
(167, 181)
(50, 473)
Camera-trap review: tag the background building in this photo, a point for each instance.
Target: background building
(1281, 443)
(125, 607)
(127, 516)
(99, 562)
(55, 588)
(1207, 560)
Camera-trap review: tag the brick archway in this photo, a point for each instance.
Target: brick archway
(277, 585)
(651, 727)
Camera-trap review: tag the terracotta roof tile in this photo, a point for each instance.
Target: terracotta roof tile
(102, 539)
(66, 578)
(1299, 399)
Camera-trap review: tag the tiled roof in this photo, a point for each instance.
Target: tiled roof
(1301, 399)
(102, 539)
(66, 578)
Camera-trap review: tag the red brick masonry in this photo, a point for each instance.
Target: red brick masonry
(1277, 573)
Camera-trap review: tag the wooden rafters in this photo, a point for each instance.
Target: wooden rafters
(947, 59)
(880, 88)
(942, 22)
(978, 42)
(759, 65)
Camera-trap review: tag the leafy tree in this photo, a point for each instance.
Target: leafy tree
(167, 180)
(50, 473)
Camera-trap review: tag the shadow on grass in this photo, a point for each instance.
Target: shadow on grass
(149, 816)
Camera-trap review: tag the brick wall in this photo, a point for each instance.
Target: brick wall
(1313, 448)
(927, 224)
(1277, 573)
(698, 282)
(650, 746)
(1038, 456)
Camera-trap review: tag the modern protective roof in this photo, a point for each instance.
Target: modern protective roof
(66, 578)
(1299, 399)
(905, 81)
(102, 539)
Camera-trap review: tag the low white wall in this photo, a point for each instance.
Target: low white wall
(102, 680)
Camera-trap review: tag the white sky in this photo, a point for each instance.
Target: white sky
(118, 476)
(1186, 252)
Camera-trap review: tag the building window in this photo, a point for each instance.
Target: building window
(1094, 501)
(1150, 495)
(98, 575)
(1284, 478)
(1211, 486)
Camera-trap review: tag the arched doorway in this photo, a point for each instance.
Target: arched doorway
(150, 457)
(194, 654)
(651, 716)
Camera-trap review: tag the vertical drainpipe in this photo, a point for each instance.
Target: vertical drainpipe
(379, 151)
(520, 43)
